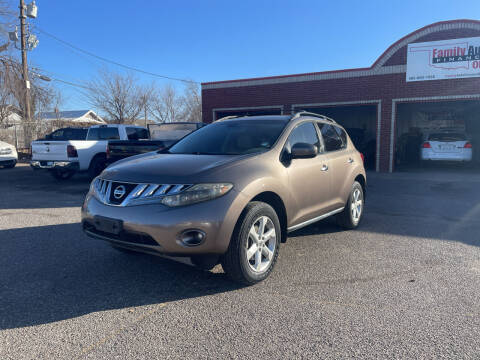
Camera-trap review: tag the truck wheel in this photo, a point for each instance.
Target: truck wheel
(62, 174)
(10, 166)
(254, 245)
(97, 165)
(350, 217)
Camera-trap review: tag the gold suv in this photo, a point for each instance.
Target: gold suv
(230, 192)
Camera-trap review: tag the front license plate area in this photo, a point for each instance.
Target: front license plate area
(107, 225)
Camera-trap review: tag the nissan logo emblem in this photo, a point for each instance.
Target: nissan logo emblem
(119, 192)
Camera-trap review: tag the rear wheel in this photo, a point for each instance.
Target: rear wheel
(351, 216)
(10, 166)
(97, 165)
(254, 245)
(62, 174)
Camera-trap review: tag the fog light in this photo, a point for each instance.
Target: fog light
(192, 237)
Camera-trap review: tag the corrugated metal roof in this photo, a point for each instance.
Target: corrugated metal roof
(63, 114)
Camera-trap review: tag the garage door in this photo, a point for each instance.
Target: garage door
(434, 135)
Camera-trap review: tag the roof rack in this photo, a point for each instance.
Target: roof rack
(307, 113)
(227, 117)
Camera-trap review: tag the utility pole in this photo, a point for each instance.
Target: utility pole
(23, 42)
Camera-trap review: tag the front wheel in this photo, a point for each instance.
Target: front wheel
(254, 245)
(351, 216)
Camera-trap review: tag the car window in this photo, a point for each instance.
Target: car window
(103, 133)
(142, 133)
(447, 137)
(303, 133)
(79, 134)
(57, 135)
(343, 136)
(332, 140)
(131, 133)
(134, 133)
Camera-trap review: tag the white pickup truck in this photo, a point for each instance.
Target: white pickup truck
(64, 158)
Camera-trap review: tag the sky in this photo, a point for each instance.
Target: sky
(214, 40)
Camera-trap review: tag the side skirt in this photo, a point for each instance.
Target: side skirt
(311, 221)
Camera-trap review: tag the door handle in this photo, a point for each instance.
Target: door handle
(350, 160)
(324, 168)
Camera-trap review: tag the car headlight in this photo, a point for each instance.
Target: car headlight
(196, 194)
(5, 151)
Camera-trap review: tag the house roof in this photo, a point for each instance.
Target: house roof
(64, 114)
(88, 116)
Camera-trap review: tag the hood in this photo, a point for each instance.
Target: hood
(167, 168)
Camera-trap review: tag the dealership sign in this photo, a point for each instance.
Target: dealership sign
(445, 59)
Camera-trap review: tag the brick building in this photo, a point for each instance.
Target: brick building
(377, 100)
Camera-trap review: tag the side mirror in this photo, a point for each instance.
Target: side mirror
(303, 151)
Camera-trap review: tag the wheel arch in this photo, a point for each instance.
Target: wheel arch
(361, 179)
(99, 155)
(275, 201)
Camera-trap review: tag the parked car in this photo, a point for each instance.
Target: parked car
(140, 141)
(230, 191)
(68, 133)
(63, 158)
(8, 155)
(446, 146)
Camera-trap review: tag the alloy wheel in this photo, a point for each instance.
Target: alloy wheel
(261, 243)
(356, 206)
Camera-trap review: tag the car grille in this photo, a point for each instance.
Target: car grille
(126, 194)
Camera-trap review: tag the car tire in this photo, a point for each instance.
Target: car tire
(97, 165)
(10, 166)
(352, 215)
(253, 249)
(62, 174)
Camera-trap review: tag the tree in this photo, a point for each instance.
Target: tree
(192, 103)
(167, 105)
(118, 96)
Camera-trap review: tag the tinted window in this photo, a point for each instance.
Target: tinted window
(447, 137)
(171, 131)
(103, 133)
(231, 137)
(304, 133)
(136, 133)
(330, 136)
(343, 136)
(57, 135)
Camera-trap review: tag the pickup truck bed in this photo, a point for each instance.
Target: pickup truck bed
(119, 149)
(161, 136)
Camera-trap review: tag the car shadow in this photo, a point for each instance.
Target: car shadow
(327, 226)
(55, 272)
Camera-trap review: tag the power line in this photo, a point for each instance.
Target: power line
(111, 61)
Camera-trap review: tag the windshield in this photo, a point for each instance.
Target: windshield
(231, 138)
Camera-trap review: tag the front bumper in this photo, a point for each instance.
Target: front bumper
(157, 228)
(52, 164)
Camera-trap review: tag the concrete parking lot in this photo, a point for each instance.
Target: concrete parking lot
(406, 284)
